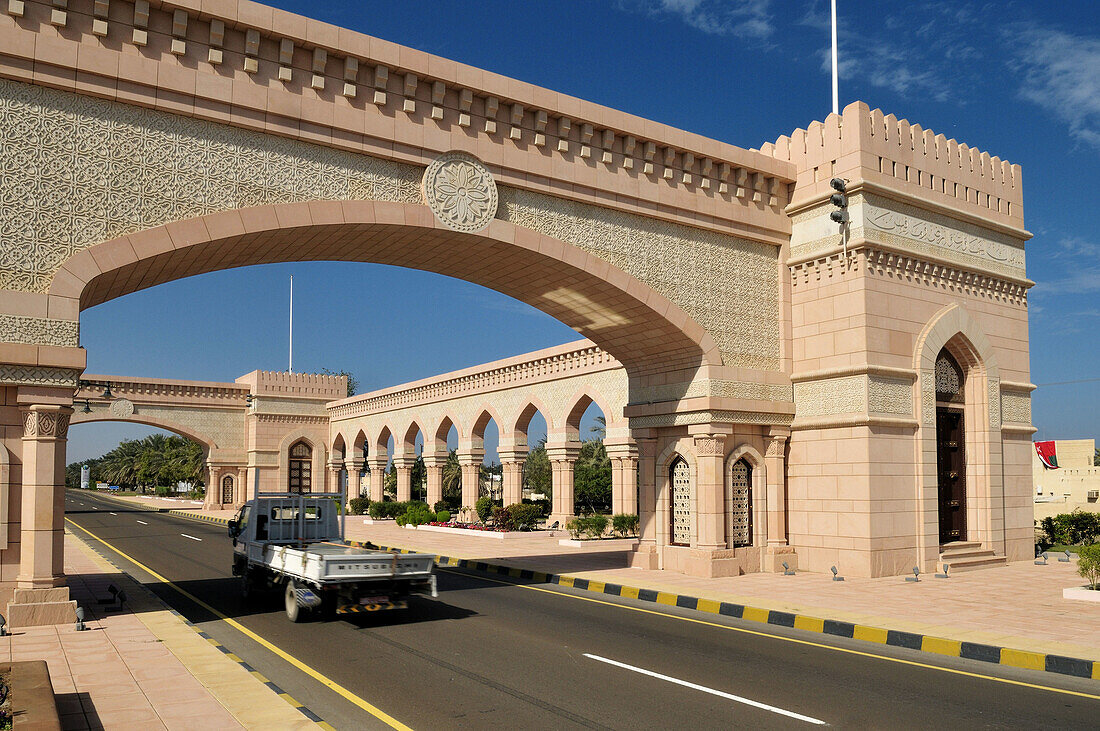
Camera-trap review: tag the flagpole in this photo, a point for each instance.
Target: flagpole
(290, 363)
(836, 95)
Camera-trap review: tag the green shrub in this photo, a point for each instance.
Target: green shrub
(359, 505)
(1078, 528)
(524, 517)
(442, 516)
(377, 510)
(417, 513)
(575, 528)
(596, 525)
(162, 491)
(1088, 564)
(440, 505)
(624, 524)
(484, 508)
(543, 506)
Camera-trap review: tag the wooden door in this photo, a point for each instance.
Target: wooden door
(951, 461)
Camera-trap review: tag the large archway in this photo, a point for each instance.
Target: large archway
(642, 328)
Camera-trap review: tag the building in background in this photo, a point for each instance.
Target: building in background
(1074, 484)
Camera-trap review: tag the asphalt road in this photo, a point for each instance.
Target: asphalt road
(491, 654)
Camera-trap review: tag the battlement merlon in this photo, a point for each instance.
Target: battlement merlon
(891, 157)
(297, 385)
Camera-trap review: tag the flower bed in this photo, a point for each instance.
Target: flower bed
(479, 531)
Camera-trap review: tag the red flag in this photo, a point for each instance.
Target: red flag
(1048, 453)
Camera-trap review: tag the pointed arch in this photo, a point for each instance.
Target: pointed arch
(522, 422)
(758, 492)
(382, 442)
(477, 428)
(581, 400)
(442, 430)
(359, 445)
(407, 447)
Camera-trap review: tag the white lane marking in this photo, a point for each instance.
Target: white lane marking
(143, 522)
(693, 686)
(191, 537)
(114, 513)
(94, 508)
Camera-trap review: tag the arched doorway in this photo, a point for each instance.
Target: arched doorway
(739, 529)
(950, 447)
(227, 490)
(300, 474)
(679, 502)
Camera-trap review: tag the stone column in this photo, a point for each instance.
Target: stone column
(354, 468)
(433, 466)
(470, 461)
(775, 462)
(562, 459)
(335, 469)
(710, 519)
(645, 555)
(403, 466)
(624, 476)
(240, 490)
(40, 596)
(377, 476)
(45, 433)
(511, 460)
(213, 489)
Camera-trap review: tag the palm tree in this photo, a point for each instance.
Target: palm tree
(599, 428)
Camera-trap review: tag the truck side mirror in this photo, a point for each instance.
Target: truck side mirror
(234, 528)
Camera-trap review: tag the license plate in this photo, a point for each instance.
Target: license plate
(374, 600)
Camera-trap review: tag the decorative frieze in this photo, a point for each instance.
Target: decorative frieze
(690, 418)
(39, 376)
(754, 390)
(39, 330)
(871, 393)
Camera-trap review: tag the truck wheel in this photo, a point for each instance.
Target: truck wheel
(248, 586)
(294, 612)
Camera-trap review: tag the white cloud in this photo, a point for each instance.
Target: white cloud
(744, 18)
(1061, 73)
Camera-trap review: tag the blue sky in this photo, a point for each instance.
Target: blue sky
(1019, 79)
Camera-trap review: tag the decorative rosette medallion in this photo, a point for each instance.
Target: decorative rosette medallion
(460, 191)
(122, 408)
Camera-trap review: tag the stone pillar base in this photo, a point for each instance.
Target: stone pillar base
(644, 557)
(773, 557)
(37, 607)
(561, 518)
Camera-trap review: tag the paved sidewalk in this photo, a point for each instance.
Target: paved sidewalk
(143, 667)
(1019, 606)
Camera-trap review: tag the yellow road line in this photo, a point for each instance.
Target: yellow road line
(327, 682)
(789, 639)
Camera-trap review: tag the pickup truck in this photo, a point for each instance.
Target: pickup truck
(295, 542)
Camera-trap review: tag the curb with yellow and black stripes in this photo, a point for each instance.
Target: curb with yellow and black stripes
(1024, 659)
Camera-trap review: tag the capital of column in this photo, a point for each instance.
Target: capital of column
(512, 454)
(403, 462)
(621, 448)
(354, 466)
(46, 421)
(435, 460)
(563, 451)
(710, 444)
(471, 457)
(377, 464)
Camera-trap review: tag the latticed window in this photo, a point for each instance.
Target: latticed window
(949, 378)
(740, 505)
(227, 489)
(301, 468)
(679, 478)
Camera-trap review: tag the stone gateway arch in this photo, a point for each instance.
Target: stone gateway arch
(774, 363)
